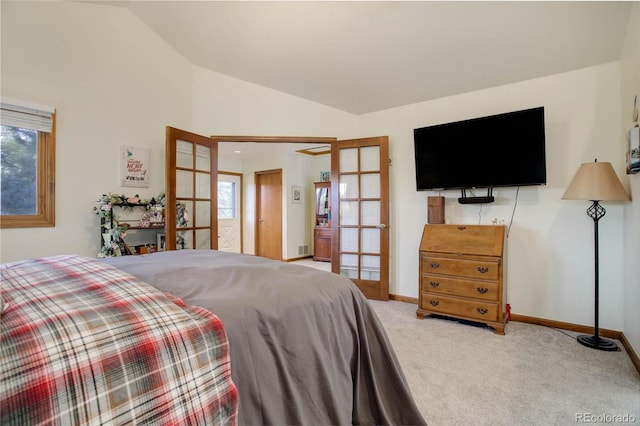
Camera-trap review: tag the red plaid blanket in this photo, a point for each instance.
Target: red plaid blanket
(82, 342)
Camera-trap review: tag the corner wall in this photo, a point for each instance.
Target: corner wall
(630, 87)
(114, 83)
(550, 243)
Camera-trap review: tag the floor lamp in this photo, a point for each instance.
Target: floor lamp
(596, 182)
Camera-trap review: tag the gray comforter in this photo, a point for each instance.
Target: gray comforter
(306, 347)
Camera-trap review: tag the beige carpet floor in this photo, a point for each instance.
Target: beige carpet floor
(533, 375)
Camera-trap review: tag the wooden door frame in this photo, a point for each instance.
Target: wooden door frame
(275, 139)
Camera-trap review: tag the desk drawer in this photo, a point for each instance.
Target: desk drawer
(323, 232)
(471, 268)
(484, 290)
(477, 310)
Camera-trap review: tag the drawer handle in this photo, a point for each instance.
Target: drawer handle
(482, 310)
(482, 290)
(434, 265)
(462, 228)
(434, 284)
(482, 269)
(434, 302)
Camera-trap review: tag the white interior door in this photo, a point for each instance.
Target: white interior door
(230, 212)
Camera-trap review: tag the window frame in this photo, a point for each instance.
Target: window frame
(46, 186)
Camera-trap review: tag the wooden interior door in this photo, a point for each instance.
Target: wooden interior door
(360, 204)
(192, 187)
(269, 214)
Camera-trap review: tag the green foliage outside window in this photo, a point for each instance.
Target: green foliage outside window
(18, 171)
(226, 200)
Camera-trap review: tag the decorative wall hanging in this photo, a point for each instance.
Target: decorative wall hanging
(296, 194)
(134, 167)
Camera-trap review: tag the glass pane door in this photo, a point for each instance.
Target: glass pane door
(360, 173)
(192, 222)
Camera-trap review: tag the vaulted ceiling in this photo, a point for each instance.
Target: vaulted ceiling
(365, 56)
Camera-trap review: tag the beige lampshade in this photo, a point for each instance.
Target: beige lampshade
(596, 182)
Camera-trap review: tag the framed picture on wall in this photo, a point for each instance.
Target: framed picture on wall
(134, 167)
(296, 194)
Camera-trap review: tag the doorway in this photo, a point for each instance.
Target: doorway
(360, 239)
(245, 155)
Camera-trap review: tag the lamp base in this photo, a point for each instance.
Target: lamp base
(598, 343)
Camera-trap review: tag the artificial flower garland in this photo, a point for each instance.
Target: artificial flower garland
(113, 235)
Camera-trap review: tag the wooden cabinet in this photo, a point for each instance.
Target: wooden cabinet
(322, 227)
(462, 273)
(322, 244)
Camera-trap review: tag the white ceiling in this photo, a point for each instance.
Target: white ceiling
(366, 56)
(258, 150)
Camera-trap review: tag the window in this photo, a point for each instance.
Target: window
(226, 200)
(27, 165)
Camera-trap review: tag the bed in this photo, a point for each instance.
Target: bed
(293, 345)
(306, 347)
(83, 343)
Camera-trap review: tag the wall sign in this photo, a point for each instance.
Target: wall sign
(134, 167)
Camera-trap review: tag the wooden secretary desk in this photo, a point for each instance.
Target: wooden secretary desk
(461, 273)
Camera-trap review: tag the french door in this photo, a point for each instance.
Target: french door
(191, 191)
(360, 202)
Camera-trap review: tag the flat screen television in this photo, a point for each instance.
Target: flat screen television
(494, 151)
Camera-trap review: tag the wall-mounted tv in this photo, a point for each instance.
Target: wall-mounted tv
(494, 151)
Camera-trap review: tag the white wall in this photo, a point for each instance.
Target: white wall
(113, 82)
(550, 246)
(630, 87)
(227, 106)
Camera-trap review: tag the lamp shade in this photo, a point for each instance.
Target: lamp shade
(596, 182)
